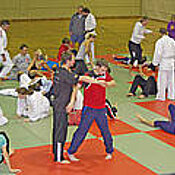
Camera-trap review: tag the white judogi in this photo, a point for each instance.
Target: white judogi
(24, 80)
(164, 56)
(22, 106)
(79, 101)
(38, 106)
(3, 120)
(138, 33)
(90, 25)
(3, 45)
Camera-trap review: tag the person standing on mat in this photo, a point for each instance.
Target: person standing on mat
(164, 58)
(90, 25)
(94, 109)
(77, 27)
(84, 52)
(135, 43)
(171, 27)
(167, 126)
(4, 54)
(65, 89)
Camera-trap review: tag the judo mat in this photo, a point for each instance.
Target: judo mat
(138, 149)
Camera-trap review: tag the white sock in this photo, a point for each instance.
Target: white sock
(73, 158)
(108, 157)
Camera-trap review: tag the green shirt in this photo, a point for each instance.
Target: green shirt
(3, 142)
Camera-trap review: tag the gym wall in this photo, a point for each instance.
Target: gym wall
(158, 9)
(53, 9)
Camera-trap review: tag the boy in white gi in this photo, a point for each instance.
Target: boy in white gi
(36, 104)
(4, 54)
(3, 120)
(164, 57)
(90, 25)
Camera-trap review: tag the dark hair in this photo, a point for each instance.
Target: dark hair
(5, 22)
(23, 46)
(8, 142)
(163, 31)
(65, 57)
(144, 18)
(102, 62)
(86, 10)
(80, 6)
(74, 52)
(66, 41)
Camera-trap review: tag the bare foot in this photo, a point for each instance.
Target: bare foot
(18, 116)
(129, 94)
(117, 118)
(26, 120)
(141, 96)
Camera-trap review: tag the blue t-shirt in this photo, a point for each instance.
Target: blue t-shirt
(3, 142)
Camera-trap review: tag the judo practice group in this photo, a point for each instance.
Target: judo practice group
(75, 69)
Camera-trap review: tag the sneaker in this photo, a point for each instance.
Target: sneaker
(73, 158)
(65, 162)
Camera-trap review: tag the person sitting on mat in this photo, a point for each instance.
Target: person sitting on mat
(4, 152)
(36, 105)
(21, 61)
(149, 86)
(65, 46)
(167, 126)
(39, 62)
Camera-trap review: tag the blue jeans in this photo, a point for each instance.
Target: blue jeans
(168, 126)
(88, 116)
(77, 38)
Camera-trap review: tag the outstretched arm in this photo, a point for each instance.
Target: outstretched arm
(6, 156)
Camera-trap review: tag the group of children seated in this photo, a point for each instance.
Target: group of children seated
(35, 91)
(36, 95)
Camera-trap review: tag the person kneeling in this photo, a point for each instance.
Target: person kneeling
(37, 105)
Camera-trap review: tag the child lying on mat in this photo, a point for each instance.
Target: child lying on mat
(32, 104)
(4, 152)
(167, 126)
(148, 86)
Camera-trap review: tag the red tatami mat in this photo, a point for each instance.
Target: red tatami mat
(116, 127)
(38, 161)
(159, 107)
(163, 136)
